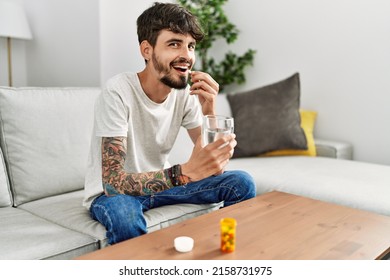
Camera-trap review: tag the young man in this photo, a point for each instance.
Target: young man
(137, 119)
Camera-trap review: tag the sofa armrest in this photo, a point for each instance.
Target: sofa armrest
(333, 149)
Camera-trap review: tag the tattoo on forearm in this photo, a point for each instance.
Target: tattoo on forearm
(117, 180)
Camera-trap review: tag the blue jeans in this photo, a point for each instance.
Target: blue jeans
(122, 215)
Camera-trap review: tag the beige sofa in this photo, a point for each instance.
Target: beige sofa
(44, 139)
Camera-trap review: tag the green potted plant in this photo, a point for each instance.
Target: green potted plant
(216, 25)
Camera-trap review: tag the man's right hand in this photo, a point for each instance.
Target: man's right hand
(209, 160)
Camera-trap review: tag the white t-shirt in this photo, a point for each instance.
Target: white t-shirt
(123, 109)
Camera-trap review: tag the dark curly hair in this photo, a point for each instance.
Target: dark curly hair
(167, 16)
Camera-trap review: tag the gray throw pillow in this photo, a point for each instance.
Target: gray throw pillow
(268, 119)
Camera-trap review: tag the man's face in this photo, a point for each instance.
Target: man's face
(173, 57)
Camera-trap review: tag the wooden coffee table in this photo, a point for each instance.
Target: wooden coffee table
(273, 226)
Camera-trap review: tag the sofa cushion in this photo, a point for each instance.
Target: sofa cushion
(5, 194)
(350, 183)
(267, 118)
(308, 119)
(25, 236)
(67, 210)
(45, 136)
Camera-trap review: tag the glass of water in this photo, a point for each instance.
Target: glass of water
(215, 127)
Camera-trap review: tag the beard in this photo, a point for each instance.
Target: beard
(168, 79)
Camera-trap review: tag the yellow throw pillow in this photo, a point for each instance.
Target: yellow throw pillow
(308, 119)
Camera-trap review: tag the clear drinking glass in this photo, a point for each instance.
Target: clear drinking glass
(215, 127)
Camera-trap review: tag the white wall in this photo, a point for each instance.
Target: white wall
(65, 49)
(340, 47)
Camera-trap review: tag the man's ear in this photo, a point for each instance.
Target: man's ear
(146, 50)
